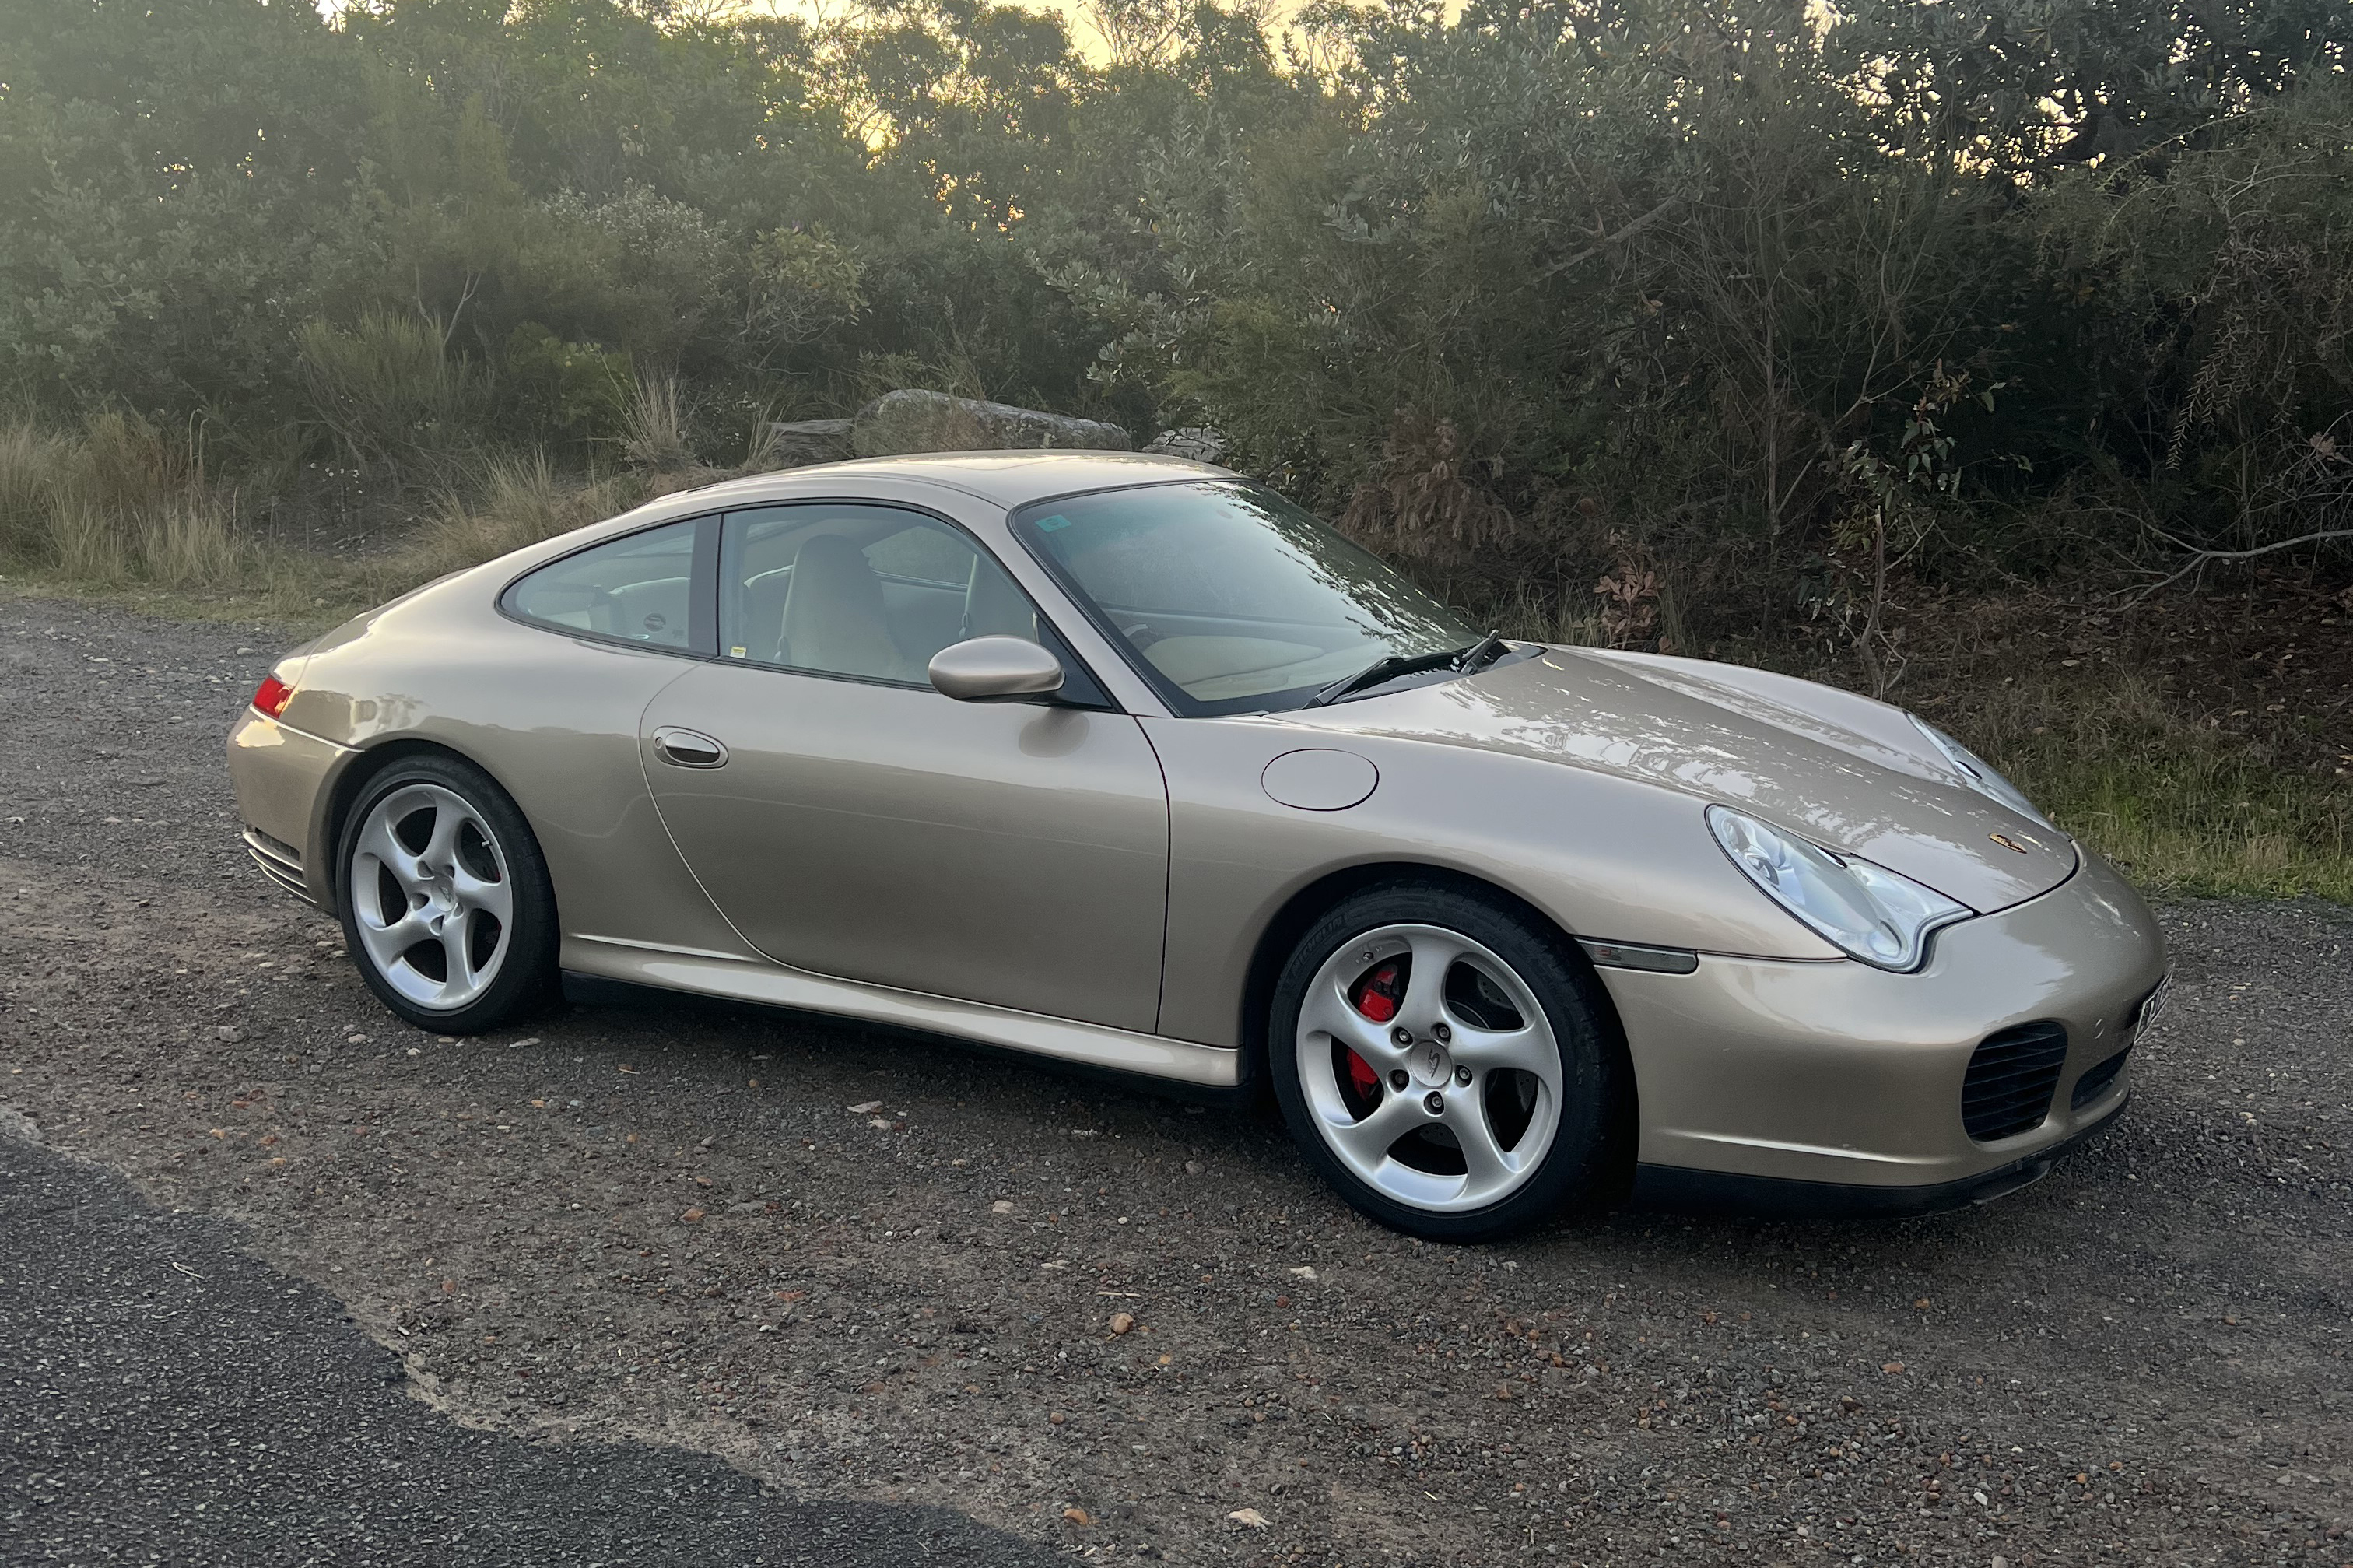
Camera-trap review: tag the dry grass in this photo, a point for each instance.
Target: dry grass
(513, 501)
(116, 503)
(655, 434)
(2185, 807)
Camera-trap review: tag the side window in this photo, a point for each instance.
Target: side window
(869, 591)
(638, 588)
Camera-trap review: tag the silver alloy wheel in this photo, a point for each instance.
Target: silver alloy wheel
(1467, 1062)
(430, 892)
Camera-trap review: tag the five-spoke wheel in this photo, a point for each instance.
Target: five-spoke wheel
(444, 898)
(1443, 1063)
(431, 895)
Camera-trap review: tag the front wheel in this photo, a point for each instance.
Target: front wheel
(446, 903)
(1444, 1065)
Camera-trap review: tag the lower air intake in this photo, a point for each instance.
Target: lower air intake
(2011, 1081)
(2095, 1080)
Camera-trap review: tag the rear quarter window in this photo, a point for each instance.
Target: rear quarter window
(637, 589)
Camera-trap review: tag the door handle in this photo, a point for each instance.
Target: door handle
(688, 748)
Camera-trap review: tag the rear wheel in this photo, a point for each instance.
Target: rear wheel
(446, 903)
(1444, 1065)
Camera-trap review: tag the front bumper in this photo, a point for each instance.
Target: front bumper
(1755, 1074)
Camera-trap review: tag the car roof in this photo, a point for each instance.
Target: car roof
(1008, 479)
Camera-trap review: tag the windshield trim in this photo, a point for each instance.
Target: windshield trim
(1180, 703)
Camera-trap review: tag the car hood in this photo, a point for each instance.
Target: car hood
(1849, 773)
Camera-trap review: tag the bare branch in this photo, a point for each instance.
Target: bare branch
(2203, 558)
(1608, 240)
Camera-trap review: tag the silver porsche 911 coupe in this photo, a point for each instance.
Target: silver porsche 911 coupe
(1129, 762)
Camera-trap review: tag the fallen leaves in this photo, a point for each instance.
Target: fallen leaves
(1249, 1519)
(1892, 1368)
(1120, 1323)
(1077, 1516)
(690, 1217)
(866, 1108)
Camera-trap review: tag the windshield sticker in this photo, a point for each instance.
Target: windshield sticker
(1048, 525)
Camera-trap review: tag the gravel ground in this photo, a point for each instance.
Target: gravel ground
(168, 1397)
(859, 1265)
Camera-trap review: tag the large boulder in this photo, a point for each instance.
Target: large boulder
(1202, 443)
(917, 421)
(795, 443)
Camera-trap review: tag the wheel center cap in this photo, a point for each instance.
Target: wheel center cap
(1431, 1062)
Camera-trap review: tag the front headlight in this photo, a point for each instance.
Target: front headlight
(1980, 773)
(1864, 910)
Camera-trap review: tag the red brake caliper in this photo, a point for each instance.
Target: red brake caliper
(1376, 997)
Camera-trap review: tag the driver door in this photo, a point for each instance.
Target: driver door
(853, 821)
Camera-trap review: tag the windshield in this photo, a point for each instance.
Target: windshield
(1237, 600)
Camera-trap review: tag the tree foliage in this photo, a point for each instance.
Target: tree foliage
(1538, 278)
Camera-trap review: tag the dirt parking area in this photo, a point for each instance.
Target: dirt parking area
(864, 1265)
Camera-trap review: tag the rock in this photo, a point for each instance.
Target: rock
(1303, 1272)
(1120, 1323)
(918, 421)
(1077, 1516)
(866, 1108)
(1202, 443)
(229, 1032)
(1002, 1206)
(795, 443)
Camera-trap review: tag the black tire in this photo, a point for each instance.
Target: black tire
(1586, 1167)
(526, 978)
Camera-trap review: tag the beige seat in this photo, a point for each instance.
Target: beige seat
(833, 617)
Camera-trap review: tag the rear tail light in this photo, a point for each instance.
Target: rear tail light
(273, 696)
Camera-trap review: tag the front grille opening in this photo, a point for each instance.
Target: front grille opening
(2011, 1080)
(2095, 1080)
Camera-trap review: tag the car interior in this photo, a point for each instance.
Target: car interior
(864, 591)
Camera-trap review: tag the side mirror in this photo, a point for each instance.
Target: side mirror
(993, 669)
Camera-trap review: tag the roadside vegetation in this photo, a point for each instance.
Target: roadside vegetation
(1994, 358)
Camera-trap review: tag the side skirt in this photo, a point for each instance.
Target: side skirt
(769, 985)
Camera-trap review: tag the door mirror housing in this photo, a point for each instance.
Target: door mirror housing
(996, 670)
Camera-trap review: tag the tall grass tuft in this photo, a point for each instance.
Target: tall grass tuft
(513, 501)
(115, 503)
(655, 435)
(398, 401)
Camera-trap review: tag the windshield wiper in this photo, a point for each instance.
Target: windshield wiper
(1381, 671)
